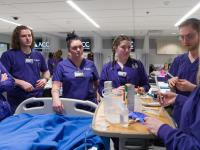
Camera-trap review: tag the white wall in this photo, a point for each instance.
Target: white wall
(155, 58)
(169, 46)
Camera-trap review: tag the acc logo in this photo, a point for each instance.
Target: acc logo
(86, 45)
(42, 45)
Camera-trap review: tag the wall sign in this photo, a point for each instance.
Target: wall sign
(41, 45)
(86, 44)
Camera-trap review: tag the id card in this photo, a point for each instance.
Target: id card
(122, 74)
(78, 74)
(28, 60)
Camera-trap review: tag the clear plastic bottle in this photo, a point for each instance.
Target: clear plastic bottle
(124, 116)
(130, 96)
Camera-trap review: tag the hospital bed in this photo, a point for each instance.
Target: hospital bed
(70, 106)
(40, 128)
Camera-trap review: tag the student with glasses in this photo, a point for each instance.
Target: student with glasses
(78, 76)
(184, 67)
(187, 135)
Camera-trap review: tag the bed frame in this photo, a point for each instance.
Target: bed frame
(46, 108)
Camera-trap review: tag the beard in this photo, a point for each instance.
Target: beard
(192, 48)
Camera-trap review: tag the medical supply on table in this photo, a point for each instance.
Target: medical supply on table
(170, 75)
(124, 116)
(130, 96)
(137, 116)
(107, 86)
(113, 105)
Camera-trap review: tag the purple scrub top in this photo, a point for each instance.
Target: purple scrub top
(135, 74)
(187, 136)
(184, 69)
(5, 85)
(25, 67)
(77, 87)
(51, 65)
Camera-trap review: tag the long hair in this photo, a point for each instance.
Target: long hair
(116, 43)
(16, 39)
(70, 37)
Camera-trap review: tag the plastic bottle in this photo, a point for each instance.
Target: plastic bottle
(124, 116)
(130, 96)
(107, 87)
(111, 107)
(107, 95)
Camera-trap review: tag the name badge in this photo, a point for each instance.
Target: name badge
(78, 74)
(122, 74)
(28, 60)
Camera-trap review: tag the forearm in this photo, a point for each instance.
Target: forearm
(18, 82)
(46, 75)
(56, 91)
(55, 94)
(179, 139)
(192, 87)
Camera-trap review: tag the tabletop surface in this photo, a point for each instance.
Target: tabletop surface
(135, 129)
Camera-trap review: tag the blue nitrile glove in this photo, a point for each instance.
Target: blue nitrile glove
(137, 116)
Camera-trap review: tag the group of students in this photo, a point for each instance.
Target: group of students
(79, 77)
(26, 73)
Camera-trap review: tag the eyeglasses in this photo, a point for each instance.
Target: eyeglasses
(187, 37)
(76, 47)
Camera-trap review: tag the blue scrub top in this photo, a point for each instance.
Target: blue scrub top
(25, 67)
(187, 136)
(77, 87)
(134, 69)
(184, 69)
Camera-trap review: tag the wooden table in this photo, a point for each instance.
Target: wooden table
(135, 129)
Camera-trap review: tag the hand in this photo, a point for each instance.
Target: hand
(153, 124)
(40, 83)
(172, 81)
(184, 85)
(58, 106)
(119, 90)
(140, 90)
(26, 86)
(166, 99)
(4, 77)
